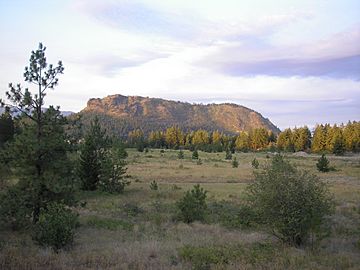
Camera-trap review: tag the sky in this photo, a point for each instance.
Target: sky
(295, 62)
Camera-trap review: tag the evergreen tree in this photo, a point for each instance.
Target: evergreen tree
(181, 154)
(39, 151)
(235, 163)
(112, 177)
(92, 156)
(6, 127)
(323, 164)
(228, 155)
(195, 154)
(255, 163)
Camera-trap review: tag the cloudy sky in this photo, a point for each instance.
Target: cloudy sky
(296, 62)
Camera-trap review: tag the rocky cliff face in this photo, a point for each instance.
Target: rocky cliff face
(153, 114)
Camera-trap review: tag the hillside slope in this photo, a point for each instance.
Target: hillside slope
(124, 113)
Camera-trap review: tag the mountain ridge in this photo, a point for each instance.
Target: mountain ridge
(157, 113)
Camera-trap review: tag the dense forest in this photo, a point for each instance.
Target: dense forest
(325, 138)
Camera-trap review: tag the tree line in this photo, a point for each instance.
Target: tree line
(325, 139)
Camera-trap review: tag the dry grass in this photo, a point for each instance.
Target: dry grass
(136, 230)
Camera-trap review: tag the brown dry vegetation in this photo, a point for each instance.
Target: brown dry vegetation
(137, 230)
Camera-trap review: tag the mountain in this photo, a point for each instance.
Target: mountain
(121, 114)
(16, 112)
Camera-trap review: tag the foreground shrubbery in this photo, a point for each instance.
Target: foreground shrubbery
(292, 203)
(193, 205)
(56, 227)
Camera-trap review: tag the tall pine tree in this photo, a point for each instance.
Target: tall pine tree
(39, 152)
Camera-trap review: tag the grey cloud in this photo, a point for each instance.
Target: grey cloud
(344, 67)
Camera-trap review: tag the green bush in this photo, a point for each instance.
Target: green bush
(108, 223)
(255, 163)
(202, 258)
(223, 256)
(132, 209)
(15, 209)
(154, 185)
(56, 226)
(293, 203)
(195, 155)
(235, 163)
(181, 154)
(323, 164)
(231, 215)
(228, 155)
(193, 205)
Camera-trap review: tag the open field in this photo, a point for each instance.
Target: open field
(138, 229)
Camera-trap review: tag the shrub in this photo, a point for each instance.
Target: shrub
(231, 215)
(15, 209)
(255, 163)
(203, 258)
(175, 187)
(108, 223)
(56, 226)
(154, 185)
(323, 164)
(293, 203)
(193, 205)
(235, 163)
(228, 155)
(132, 210)
(195, 154)
(199, 161)
(181, 154)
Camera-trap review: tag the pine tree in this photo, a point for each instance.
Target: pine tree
(7, 129)
(92, 155)
(195, 154)
(112, 177)
(228, 155)
(39, 151)
(181, 154)
(235, 163)
(323, 164)
(255, 163)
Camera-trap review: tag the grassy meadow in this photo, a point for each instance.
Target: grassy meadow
(139, 230)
